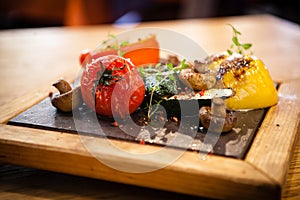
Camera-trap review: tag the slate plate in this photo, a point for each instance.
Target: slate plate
(232, 144)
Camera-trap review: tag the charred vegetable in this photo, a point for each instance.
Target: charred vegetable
(211, 116)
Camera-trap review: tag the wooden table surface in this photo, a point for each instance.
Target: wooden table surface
(32, 58)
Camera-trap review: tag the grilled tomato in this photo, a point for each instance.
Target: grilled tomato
(112, 86)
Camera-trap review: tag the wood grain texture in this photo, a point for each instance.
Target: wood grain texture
(190, 175)
(291, 189)
(274, 143)
(31, 59)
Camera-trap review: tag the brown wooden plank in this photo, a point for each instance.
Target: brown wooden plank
(273, 146)
(291, 188)
(23, 102)
(189, 174)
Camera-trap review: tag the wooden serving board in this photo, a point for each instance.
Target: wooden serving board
(260, 174)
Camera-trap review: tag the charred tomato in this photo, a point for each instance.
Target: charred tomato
(112, 86)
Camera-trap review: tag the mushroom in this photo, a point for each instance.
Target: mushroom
(202, 65)
(68, 98)
(199, 76)
(197, 80)
(216, 115)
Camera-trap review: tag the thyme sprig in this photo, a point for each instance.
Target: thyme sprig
(161, 77)
(236, 45)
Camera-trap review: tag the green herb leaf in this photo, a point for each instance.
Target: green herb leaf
(112, 36)
(183, 65)
(124, 43)
(157, 65)
(115, 47)
(169, 66)
(172, 78)
(238, 46)
(246, 46)
(235, 41)
(235, 30)
(158, 79)
(229, 52)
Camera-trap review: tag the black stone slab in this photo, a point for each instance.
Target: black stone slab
(232, 144)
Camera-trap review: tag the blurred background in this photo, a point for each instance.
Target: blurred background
(48, 13)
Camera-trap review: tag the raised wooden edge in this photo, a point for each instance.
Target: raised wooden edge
(215, 176)
(261, 175)
(272, 148)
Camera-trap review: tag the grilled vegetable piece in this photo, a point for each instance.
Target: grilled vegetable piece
(250, 81)
(68, 98)
(202, 95)
(111, 86)
(160, 80)
(210, 117)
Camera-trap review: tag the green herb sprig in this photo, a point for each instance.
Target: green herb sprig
(158, 88)
(236, 45)
(117, 46)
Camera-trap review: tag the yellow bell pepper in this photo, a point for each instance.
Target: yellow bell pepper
(252, 85)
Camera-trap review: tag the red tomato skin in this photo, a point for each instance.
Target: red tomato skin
(84, 57)
(119, 98)
(89, 77)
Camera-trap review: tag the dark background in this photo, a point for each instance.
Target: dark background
(45, 13)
